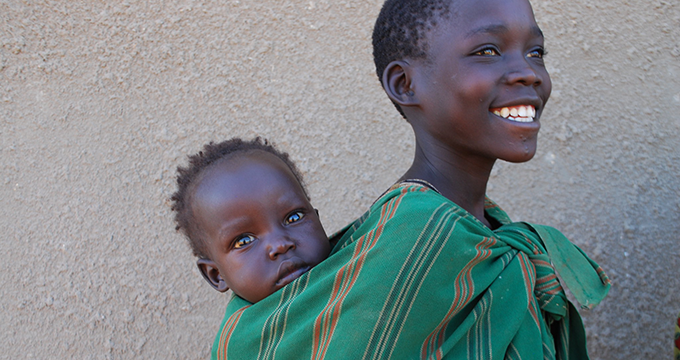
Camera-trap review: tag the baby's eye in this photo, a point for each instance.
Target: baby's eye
(537, 53)
(294, 217)
(488, 51)
(243, 241)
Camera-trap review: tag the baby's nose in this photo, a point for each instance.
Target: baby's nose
(279, 245)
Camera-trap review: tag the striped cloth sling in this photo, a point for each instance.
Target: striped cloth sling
(417, 277)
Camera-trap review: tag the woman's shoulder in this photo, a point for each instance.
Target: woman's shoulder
(419, 197)
(411, 192)
(409, 207)
(410, 202)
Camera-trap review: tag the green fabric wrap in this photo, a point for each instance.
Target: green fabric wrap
(417, 277)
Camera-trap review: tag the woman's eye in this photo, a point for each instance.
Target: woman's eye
(487, 52)
(294, 217)
(538, 53)
(243, 241)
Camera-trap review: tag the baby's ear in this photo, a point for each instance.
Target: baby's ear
(397, 81)
(211, 274)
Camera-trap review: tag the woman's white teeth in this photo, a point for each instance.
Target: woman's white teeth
(521, 119)
(524, 113)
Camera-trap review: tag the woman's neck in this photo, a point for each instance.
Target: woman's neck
(459, 178)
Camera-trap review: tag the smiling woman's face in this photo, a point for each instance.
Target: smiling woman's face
(261, 231)
(483, 86)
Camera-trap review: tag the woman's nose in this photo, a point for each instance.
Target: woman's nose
(522, 72)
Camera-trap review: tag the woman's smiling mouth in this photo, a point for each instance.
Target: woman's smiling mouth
(519, 113)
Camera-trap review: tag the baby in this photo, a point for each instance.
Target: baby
(247, 215)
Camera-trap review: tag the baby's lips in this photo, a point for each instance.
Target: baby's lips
(289, 271)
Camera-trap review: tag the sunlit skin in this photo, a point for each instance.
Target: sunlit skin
(479, 63)
(261, 229)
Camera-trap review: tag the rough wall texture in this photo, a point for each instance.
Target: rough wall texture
(100, 101)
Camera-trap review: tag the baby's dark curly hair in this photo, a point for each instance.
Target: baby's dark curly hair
(187, 178)
(401, 30)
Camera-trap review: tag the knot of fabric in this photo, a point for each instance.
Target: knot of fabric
(551, 253)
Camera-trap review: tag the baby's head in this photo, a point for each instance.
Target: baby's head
(467, 74)
(244, 209)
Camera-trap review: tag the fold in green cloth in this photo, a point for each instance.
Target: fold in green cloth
(417, 277)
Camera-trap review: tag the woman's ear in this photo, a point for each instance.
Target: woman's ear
(398, 83)
(211, 274)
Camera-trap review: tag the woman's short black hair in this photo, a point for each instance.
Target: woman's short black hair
(198, 163)
(400, 32)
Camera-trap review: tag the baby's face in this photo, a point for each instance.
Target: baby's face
(262, 232)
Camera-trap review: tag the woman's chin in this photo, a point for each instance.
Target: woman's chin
(521, 156)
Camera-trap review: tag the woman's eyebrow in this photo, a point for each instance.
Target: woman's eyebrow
(537, 31)
(497, 29)
(487, 29)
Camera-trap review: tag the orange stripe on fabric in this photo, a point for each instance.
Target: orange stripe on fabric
(347, 284)
(546, 279)
(528, 272)
(552, 288)
(605, 279)
(463, 282)
(543, 263)
(344, 281)
(326, 322)
(227, 330)
(482, 254)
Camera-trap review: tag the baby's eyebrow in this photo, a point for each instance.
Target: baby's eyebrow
(498, 29)
(234, 225)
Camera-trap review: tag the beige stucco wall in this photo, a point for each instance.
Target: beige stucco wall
(100, 101)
